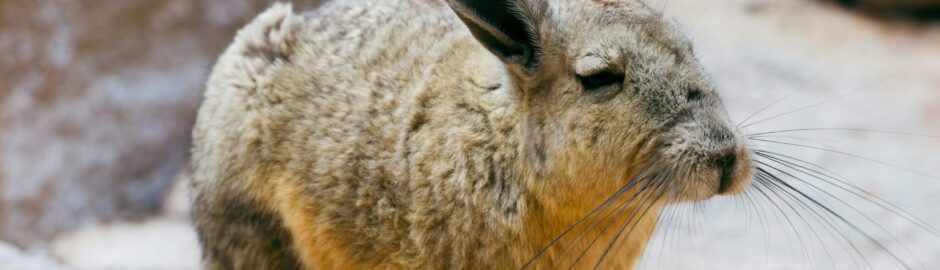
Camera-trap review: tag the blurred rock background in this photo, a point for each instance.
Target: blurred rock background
(96, 106)
(98, 98)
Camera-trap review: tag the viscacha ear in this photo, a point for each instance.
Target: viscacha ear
(505, 27)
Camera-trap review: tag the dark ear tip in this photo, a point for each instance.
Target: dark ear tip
(501, 27)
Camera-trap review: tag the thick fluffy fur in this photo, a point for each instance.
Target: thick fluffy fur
(383, 135)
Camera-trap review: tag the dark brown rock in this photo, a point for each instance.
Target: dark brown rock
(96, 104)
(916, 9)
(895, 3)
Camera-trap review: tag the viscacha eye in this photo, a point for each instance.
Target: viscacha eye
(601, 80)
(694, 94)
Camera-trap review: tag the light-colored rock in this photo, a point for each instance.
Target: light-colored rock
(163, 243)
(13, 259)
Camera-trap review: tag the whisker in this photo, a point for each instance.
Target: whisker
(613, 197)
(806, 222)
(781, 99)
(762, 179)
(852, 189)
(751, 204)
(619, 210)
(819, 218)
(592, 225)
(767, 180)
(793, 138)
(851, 155)
(675, 190)
(843, 202)
(846, 129)
(671, 223)
(865, 88)
(844, 220)
(650, 205)
(748, 193)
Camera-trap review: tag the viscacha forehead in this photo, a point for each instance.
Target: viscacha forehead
(600, 12)
(607, 28)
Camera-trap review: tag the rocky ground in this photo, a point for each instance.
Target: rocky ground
(94, 130)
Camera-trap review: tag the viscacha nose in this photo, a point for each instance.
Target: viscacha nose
(723, 153)
(726, 163)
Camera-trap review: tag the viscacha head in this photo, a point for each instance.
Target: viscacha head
(610, 92)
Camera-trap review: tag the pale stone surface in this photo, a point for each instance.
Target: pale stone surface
(15, 259)
(161, 243)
